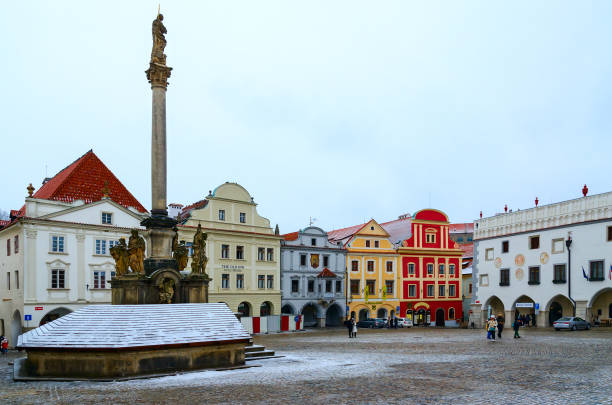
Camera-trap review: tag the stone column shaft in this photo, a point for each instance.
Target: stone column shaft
(158, 151)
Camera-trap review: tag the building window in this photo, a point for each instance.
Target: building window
(469, 239)
(412, 290)
(440, 269)
(239, 280)
(270, 253)
(596, 273)
(225, 251)
(354, 265)
(338, 286)
(559, 273)
(261, 281)
(441, 290)
(484, 280)
(534, 242)
(310, 286)
(313, 242)
(8, 280)
(270, 281)
(328, 286)
(112, 243)
(430, 268)
(367, 243)
(57, 244)
(371, 286)
(430, 290)
(609, 234)
(489, 253)
(376, 244)
(410, 268)
(58, 279)
(99, 280)
(239, 252)
(295, 286)
(451, 269)
(17, 279)
(302, 260)
(504, 277)
(221, 215)
(16, 244)
(451, 313)
(107, 218)
(325, 261)
(558, 245)
(355, 287)
(534, 275)
(8, 247)
(389, 287)
(225, 280)
(505, 246)
(470, 288)
(242, 218)
(370, 265)
(460, 239)
(100, 246)
(261, 254)
(451, 291)
(430, 237)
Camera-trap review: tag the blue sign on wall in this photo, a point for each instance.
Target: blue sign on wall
(297, 318)
(28, 317)
(397, 310)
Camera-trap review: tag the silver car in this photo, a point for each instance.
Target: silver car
(571, 323)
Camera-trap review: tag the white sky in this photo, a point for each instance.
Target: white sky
(342, 110)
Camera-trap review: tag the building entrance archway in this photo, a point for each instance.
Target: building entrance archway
(558, 307)
(310, 313)
(494, 306)
(381, 313)
(333, 316)
(439, 317)
(600, 305)
(364, 314)
(244, 308)
(15, 328)
(287, 309)
(54, 314)
(421, 315)
(524, 307)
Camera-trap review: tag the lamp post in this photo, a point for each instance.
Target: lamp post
(568, 244)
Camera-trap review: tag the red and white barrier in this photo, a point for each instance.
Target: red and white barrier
(272, 324)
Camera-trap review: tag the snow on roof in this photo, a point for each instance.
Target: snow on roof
(137, 326)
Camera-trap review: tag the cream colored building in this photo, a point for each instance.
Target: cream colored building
(243, 250)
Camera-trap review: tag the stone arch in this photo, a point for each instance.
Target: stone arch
(333, 315)
(245, 308)
(451, 314)
(440, 315)
(54, 314)
(524, 310)
(382, 312)
(288, 309)
(558, 306)
(497, 306)
(266, 308)
(15, 328)
(600, 301)
(363, 312)
(311, 312)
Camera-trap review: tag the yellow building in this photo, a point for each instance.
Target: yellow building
(372, 262)
(243, 250)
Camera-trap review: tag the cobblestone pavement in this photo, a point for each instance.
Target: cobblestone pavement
(412, 366)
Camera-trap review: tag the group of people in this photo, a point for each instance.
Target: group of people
(496, 324)
(3, 345)
(526, 319)
(351, 325)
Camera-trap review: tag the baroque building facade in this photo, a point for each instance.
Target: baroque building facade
(55, 256)
(312, 277)
(243, 250)
(548, 261)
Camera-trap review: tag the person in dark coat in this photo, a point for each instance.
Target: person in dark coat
(349, 325)
(533, 320)
(500, 326)
(516, 326)
(527, 319)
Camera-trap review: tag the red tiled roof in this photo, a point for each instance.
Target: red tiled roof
(326, 273)
(339, 234)
(3, 223)
(186, 212)
(84, 180)
(291, 236)
(467, 227)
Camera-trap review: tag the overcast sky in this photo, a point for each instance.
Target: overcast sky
(342, 111)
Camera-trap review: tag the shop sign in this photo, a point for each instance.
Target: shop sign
(524, 305)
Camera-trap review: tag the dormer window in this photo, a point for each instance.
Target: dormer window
(107, 218)
(242, 217)
(430, 235)
(221, 215)
(313, 241)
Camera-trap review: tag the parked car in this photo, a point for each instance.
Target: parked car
(381, 322)
(571, 322)
(371, 323)
(404, 322)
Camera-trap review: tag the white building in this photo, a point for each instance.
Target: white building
(55, 256)
(522, 263)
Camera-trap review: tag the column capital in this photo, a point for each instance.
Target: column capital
(158, 75)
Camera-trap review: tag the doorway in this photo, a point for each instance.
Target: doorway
(364, 314)
(420, 317)
(440, 317)
(556, 312)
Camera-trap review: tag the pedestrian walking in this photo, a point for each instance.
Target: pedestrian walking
(500, 326)
(395, 322)
(491, 326)
(354, 328)
(349, 326)
(515, 325)
(533, 320)
(527, 319)
(4, 346)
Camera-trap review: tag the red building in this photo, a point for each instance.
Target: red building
(431, 271)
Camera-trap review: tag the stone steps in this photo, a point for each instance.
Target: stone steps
(258, 352)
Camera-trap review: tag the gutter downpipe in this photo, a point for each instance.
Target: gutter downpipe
(568, 244)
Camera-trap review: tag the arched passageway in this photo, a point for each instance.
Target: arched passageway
(54, 314)
(287, 309)
(15, 328)
(265, 308)
(381, 313)
(558, 307)
(601, 304)
(364, 314)
(311, 315)
(333, 316)
(494, 306)
(524, 308)
(439, 317)
(244, 308)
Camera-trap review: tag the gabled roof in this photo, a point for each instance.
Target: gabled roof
(326, 273)
(85, 179)
(291, 236)
(398, 230)
(343, 233)
(186, 212)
